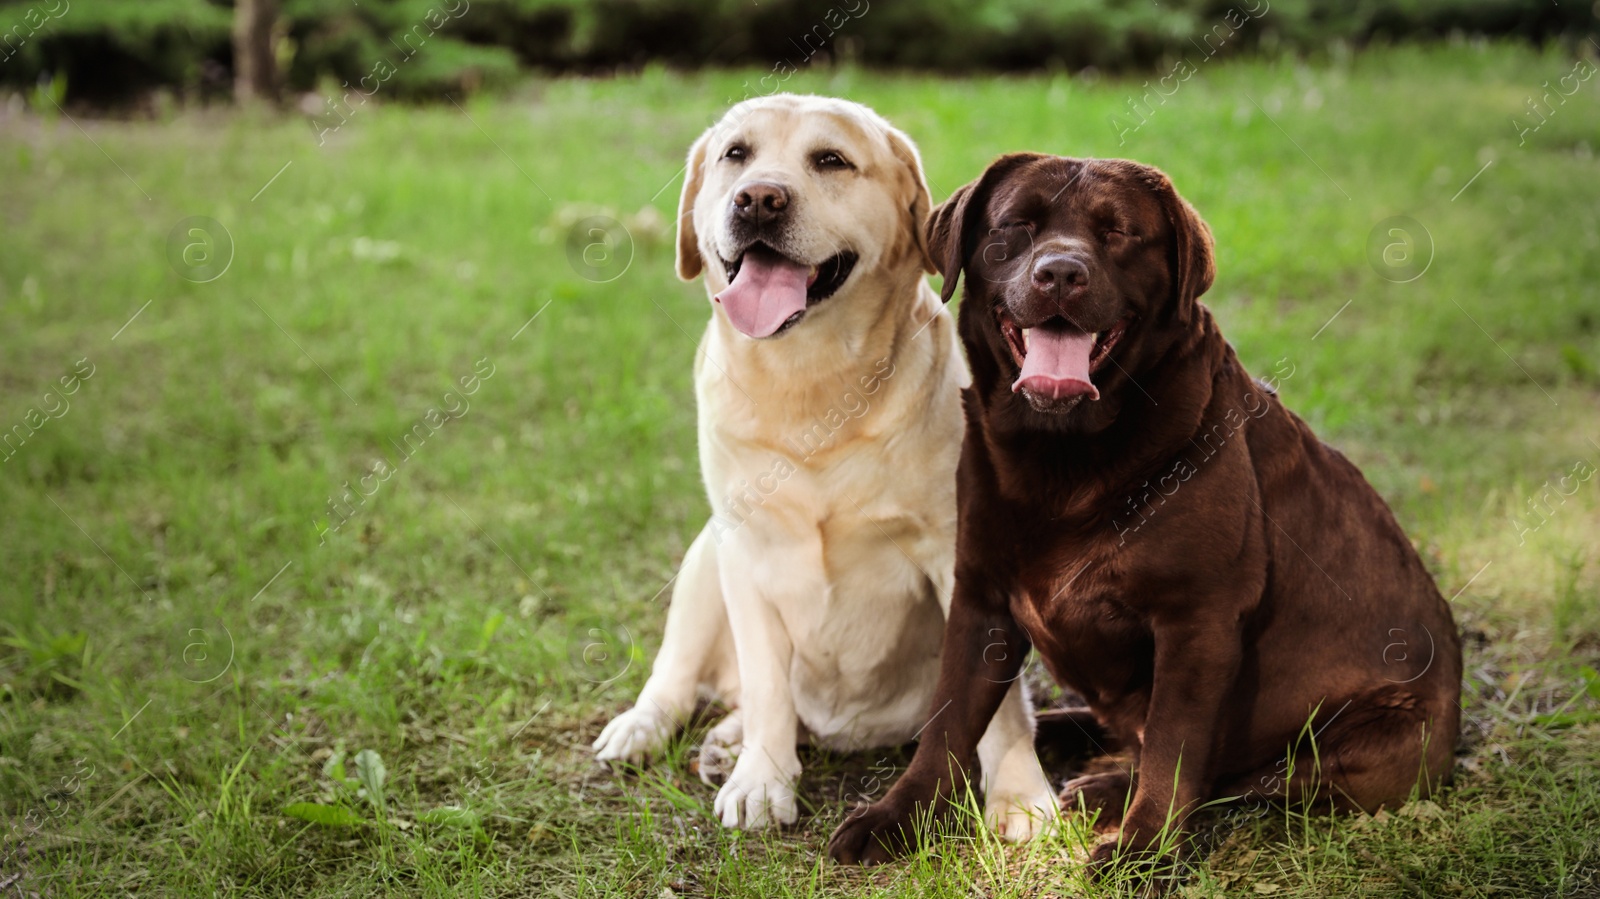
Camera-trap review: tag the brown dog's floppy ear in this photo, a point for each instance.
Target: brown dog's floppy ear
(952, 229)
(945, 237)
(921, 199)
(1195, 266)
(689, 261)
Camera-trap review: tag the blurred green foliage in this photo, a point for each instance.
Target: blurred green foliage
(116, 49)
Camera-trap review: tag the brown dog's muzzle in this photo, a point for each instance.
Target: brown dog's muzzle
(1057, 332)
(1061, 277)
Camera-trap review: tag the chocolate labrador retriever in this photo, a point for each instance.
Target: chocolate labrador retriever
(1234, 601)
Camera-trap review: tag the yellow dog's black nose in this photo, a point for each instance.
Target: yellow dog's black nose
(760, 202)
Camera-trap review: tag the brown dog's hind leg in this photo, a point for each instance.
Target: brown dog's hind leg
(1385, 748)
(1396, 749)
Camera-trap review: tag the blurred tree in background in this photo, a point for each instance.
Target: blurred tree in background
(113, 51)
(255, 64)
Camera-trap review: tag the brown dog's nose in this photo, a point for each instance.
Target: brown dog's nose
(1061, 275)
(760, 201)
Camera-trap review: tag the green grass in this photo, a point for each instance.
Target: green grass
(183, 659)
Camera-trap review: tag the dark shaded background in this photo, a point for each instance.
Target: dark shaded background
(118, 52)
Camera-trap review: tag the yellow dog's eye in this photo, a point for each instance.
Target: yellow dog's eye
(831, 159)
(737, 152)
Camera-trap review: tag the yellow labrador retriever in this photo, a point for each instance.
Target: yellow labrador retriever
(830, 423)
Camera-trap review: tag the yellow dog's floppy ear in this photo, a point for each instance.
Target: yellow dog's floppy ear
(953, 227)
(921, 198)
(694, 175)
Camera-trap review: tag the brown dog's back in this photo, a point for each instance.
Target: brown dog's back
(1351, 633)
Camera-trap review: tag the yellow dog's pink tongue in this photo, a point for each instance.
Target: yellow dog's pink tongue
(1057, 364)
(766, 292)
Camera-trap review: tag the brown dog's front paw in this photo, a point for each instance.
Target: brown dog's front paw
(1104, 857)
(1150, 869)
(872, 835)
(1105, 796)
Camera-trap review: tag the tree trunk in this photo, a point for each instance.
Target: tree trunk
(255, 69)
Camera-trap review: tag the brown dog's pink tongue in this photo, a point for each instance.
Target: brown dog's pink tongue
(1057, 364)
(766, 292)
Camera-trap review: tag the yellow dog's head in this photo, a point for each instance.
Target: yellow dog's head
(793, 206)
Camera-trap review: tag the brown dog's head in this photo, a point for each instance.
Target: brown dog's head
(1079, 272)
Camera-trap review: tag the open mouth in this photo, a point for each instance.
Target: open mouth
(768, 292)
(824, 279)
(1057, 359)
